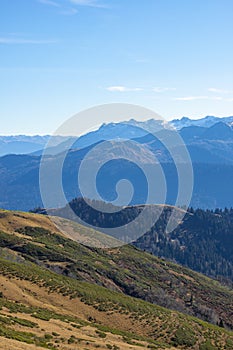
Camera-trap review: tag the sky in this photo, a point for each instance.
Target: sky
(58, 57)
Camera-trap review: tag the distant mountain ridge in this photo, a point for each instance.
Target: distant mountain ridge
(24, 144)
(210, 149)
(212, 161)
(206, 122)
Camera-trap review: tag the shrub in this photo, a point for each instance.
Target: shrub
(184, 336)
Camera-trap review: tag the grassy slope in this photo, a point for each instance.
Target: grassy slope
(101, 310)
(125, 269)
(43, 295)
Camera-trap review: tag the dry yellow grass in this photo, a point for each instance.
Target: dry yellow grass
(11, 221)
(9, 344)
(32, 295)
(87, 336)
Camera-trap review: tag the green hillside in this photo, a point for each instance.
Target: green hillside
(202, 241)
(57, 278)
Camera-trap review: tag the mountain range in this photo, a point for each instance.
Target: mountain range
(203, 122)
(23, 144)
(76, 288)
(209, 142)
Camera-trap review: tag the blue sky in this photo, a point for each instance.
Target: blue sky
(58, 57)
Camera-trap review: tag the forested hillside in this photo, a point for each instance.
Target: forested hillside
(203, 241)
